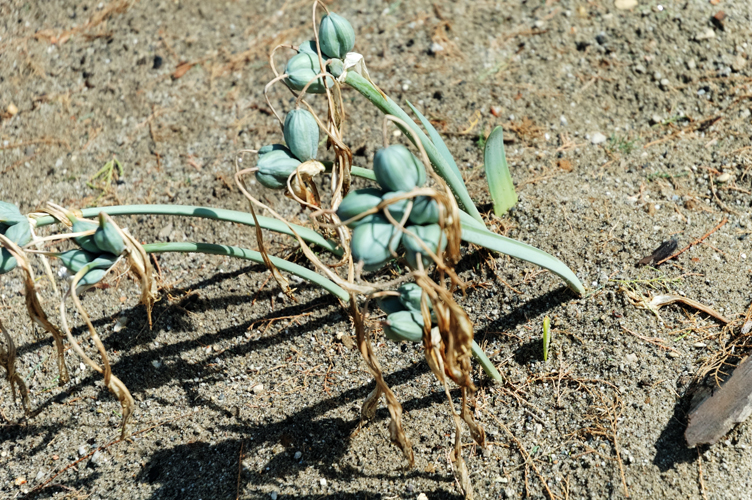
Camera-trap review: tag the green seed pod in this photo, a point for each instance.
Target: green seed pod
(107, 237)
(308, 47)
(7, 261)
(75, 260)
(396, 209)
(275, 164)
(19, 233)
(390, 304)
(356, 202)
(410, 294)
(425, 211)
(336, 36)
(370, 242)
(404, 325)
(397, 169)
(431, 235)
(301, 69)
(91, 278)
(10, 214)
(302, 134)
(85, 242)
(336, 67)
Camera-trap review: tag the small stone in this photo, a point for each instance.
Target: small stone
(297, 455)
(699, 345)
(664, 83)
(422, 496)
(20, 480)
(435, 48)
(691, 64)
(631, 357)
(597, 138)
(639, 68)
(322, 482)
(97, 459)
(274, 495)
(725, 177)
(705, 35)
(625, 4)
(563, 121)
(258, 389)
(82, 450)
(657, 76)
(120, 324)
(165, 231)
(156, 363)
(12, 109)
(40, 475)
(673, 354)
(739, 63)
(655, 120)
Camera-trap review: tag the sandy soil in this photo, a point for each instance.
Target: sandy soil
(624, 128)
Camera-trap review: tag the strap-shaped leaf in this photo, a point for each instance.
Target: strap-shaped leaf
(437, 140)
(497, 173)
(472, 233)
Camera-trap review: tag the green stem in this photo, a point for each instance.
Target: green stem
(307, 274)
(472, 232)
(209, 213)
(389, 107)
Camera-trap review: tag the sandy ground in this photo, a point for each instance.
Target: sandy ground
(624, 128)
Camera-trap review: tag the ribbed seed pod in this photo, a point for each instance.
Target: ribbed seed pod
(370, 242)
(10, 214)
(7, 261)
(75, 260)
(301, 69)
(89, 279)
(425, 211)
(19, 233)
(404, 325)
(336, 36)
(390, 304)
(107, 238)
(356, 202)
(396, 209)
(85, 242)
(410, 294)
(397, 169)
(431, 236)
(302, 134)
(308, 47)
(275, 164)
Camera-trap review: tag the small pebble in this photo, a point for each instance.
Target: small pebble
(422, 496)
(640, 69)
(12, 109)
(274, 495)
(258, 389)
(632, 357)
(625, 4)
(705, 35)
(97, 458)
(435, 47)
(156, 363)
(82, 450)
(297, 455)
(699, 345)
(40, 475)
(598, 138)
(322, 482)
(725, 177)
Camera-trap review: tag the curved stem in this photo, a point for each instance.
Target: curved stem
(307, 274)
(208, 213)
(388, 106)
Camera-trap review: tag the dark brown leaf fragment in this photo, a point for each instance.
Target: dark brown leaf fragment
(664, 250)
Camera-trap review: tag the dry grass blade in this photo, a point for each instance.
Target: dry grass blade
(8, 361)
(34, 306)
(113, 384)
(396, 432)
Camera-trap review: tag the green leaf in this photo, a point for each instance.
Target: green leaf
(546, 336)
(497, 173)
(441, 147)
(513, 248)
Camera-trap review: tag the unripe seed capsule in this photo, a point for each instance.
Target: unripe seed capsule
(431, 235)
(404, 325)
(425, 211)
(75, 260)
(356, 202)
(390, 304)
(107, 237)
(85, 242)
(397, 169)
(19, 233)
(396, 209)
(302, 134)
(10, 214)
(371, 242)
(336, 36)
(275, 164)
(301, 69)
(7, 261)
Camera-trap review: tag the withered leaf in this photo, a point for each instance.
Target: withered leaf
(664, 250)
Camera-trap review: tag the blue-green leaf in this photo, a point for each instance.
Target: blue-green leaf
(437, 140)
(497, 173)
